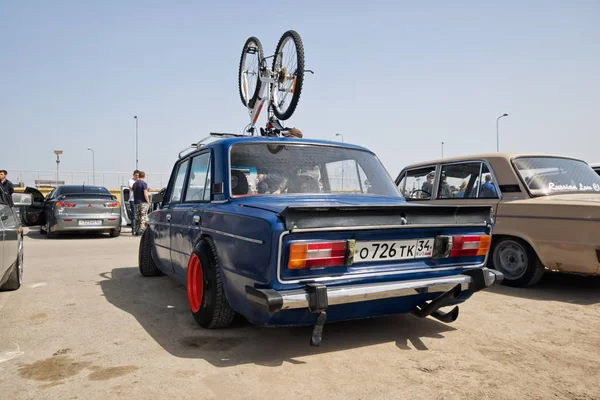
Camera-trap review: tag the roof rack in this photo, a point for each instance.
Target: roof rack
(212, 135)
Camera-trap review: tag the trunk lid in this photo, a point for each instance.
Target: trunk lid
(87, 204)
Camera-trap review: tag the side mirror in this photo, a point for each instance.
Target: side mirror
(22, 199)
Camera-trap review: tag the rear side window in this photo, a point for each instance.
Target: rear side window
(177, 189)
(197, 189)
(459, 181)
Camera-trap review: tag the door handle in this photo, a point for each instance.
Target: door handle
(168, 217)
(196, 219)
(4, 217)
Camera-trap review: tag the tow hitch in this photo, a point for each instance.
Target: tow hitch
(432, 308)
(317, 303)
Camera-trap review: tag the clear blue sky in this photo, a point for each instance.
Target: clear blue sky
(398, 77)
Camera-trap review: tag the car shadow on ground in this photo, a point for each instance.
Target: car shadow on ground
(160, 306)
(37, 235)
(568, 288)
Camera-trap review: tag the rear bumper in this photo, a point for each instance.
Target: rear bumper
(71, 223)
(274, 301)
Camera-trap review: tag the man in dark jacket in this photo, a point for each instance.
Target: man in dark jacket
(6, 184)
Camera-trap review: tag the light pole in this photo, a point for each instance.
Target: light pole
(93, 165)
(58, 153)
(442, 149)
(136, 141)
(342, 136)
(497, 135)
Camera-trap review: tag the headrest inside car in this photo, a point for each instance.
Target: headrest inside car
(239, 184)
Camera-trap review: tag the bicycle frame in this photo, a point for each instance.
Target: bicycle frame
(267, 79)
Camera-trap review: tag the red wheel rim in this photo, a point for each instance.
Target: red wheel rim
(194, 283)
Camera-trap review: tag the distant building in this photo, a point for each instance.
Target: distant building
(47, 183)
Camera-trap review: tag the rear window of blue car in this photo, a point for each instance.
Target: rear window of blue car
(309, 169)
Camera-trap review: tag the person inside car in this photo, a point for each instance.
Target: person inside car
(427, 187)
(488, 189)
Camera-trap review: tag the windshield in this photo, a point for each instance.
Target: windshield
(550, 175)
(260, 168)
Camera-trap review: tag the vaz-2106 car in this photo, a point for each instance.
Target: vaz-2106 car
(295, 231)
(546, 208)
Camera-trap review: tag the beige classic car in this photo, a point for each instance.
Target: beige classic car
(546, 208)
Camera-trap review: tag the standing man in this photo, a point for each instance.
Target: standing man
(6, 184)
(142, 203)
(136, 176)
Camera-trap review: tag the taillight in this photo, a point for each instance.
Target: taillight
(64, 204)
(469, 246)
(461, 246)
(112, 205)
(317, 254)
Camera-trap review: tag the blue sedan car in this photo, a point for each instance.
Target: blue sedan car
(290, 232)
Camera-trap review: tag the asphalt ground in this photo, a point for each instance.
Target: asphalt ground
(86, 325)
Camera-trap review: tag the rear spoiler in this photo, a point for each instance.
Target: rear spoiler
(384, 216)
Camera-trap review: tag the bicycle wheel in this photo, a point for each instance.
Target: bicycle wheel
(249, 82)
(288, 67)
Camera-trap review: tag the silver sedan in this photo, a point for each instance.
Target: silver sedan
(71, 208)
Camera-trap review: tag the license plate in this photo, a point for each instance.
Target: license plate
(392, 250)
(90, 222)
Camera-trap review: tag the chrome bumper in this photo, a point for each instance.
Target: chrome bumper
(274, 301)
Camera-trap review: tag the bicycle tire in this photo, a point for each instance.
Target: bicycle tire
(286, 113)
(252, 100)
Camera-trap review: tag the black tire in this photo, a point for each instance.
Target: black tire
(507, 252)
(115, 232)
(215, 311)
(50, 234)
(15, 278)
(255, 42)
(284, 114)
(146, 262)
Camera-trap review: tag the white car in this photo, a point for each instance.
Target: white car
(126, 207)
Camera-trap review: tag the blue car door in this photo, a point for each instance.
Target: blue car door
(164, 216)
(187, 215)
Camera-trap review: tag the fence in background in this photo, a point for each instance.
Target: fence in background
(111, 180)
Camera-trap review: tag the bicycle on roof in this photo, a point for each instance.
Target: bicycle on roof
(283, 81)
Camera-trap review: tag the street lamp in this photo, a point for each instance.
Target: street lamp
(442, 149)
(497, 135)
(58, 153)
(136, 141)
(342, 136)
(93, 165)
